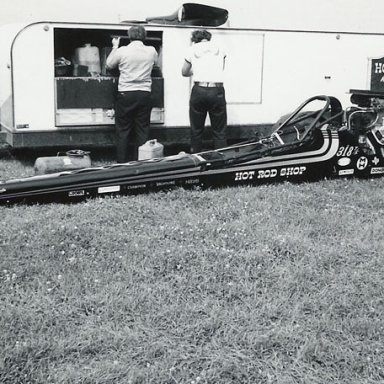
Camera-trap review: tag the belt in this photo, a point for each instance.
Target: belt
(208, 84)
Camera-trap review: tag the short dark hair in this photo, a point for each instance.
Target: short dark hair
(199, 35)
(137, 32)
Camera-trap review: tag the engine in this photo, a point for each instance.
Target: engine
(365, 118)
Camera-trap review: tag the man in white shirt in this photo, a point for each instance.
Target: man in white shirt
(205, 61)
(133, 102)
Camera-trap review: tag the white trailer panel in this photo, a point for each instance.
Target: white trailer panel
(268, 73)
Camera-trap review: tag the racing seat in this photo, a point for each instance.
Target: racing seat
(300, 125)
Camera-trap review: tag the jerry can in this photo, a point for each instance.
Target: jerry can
(88, 56)
(72, 160)
(151, 150)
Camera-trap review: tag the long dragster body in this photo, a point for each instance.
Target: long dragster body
(304, 146)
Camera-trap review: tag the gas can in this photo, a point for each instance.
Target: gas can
(88, 56)
(151, 150)
(72, 160)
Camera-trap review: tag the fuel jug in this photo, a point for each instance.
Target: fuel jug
(151, 150)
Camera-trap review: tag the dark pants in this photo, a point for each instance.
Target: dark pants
(132, 117)
(209, 100)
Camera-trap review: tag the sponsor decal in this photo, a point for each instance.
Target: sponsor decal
(270, 173)
(137, 186)
(344, 161)
(165, 183)
(346, 172)
(80, 192)
(377, 170)
(192, 181)
(112, 188)
(362, 163)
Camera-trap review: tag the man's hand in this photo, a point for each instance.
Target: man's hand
(115, 42)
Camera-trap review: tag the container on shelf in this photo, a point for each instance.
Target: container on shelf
(88, 56)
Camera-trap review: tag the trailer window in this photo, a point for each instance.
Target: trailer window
(85, 94)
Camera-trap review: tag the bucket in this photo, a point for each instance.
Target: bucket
(88, 56)
(74, 159)
(151, 150)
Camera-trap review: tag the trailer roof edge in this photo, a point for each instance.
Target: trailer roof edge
(221, 28)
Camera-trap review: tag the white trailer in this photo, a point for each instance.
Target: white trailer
(268, 74)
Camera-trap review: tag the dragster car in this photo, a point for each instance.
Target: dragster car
(308, 144)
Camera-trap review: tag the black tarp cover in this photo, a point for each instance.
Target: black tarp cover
(193, 14)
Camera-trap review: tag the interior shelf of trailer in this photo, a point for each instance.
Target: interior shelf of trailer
(86, 98)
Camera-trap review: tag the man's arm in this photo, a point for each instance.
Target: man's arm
(112, 60)
(156, 59)
(186, 70)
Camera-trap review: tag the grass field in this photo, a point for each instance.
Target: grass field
(272, 284)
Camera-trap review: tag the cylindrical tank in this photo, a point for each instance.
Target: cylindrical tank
(75, 159)
(88, 56)
(151, 150)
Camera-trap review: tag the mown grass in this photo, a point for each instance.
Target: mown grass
(272, 284)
